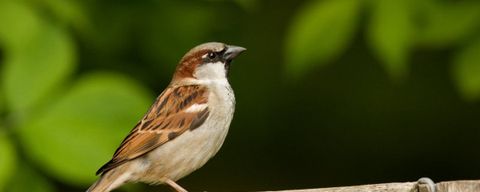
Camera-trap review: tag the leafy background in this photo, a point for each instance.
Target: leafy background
(329, 93)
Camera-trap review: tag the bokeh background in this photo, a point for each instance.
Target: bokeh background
(329, 93)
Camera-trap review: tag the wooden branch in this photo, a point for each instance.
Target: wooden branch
(422, 185)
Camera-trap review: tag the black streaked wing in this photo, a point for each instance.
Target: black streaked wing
(165, 120)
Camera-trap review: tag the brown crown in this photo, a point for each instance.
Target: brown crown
(193, 58)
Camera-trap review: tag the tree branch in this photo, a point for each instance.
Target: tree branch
(423, 185)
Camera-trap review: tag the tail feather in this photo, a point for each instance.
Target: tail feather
(109, 181)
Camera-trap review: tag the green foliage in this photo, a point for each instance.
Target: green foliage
(249, 5)
(466, 70)
(17, 33)
(447, 23)
(68, 11)
(7, 159)
(34, 68)
(390, 33)
(29, 79)
(26, 179)
(324, 29)
(76, 125)
(2, 98)
(58, 127)
(319, 33)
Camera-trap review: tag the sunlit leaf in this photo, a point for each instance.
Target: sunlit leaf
(33, 71)
(446, 23)
(83, 129)
(320, 32)
(390, 34)
(25, 179)
(7, 159)
(466, 70)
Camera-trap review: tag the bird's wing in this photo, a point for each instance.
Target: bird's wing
(175, 111)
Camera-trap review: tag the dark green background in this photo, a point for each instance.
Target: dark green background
(329, 92)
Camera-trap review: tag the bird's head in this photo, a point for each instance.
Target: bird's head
(208, 61)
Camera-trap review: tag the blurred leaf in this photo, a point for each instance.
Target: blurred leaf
(69, 11)
(467, 71)
(448, 22)
(32, 72)
(2, 96)
(7, 159)
(18, 24)
(248, 5)
(390, 34)
(25, 179)
(83, 129)
(320, 32)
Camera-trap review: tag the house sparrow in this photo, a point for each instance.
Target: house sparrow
(183, 129)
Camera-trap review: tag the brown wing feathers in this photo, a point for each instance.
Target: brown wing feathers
(164, 121)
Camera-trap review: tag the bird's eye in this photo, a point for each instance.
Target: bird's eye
(212, 55)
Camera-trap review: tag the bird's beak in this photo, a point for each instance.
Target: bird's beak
(232, 51)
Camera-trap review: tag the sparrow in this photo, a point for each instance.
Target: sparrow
(183, 129)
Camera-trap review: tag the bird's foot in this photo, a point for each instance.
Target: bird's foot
(175, 186)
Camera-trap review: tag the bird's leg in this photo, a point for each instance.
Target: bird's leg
(175, 186)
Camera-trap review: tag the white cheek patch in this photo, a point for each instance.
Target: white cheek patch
(196, 108)
(210, 71)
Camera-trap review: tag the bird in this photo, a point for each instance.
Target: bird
(185, 126)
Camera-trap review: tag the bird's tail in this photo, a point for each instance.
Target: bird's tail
(109, 181)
